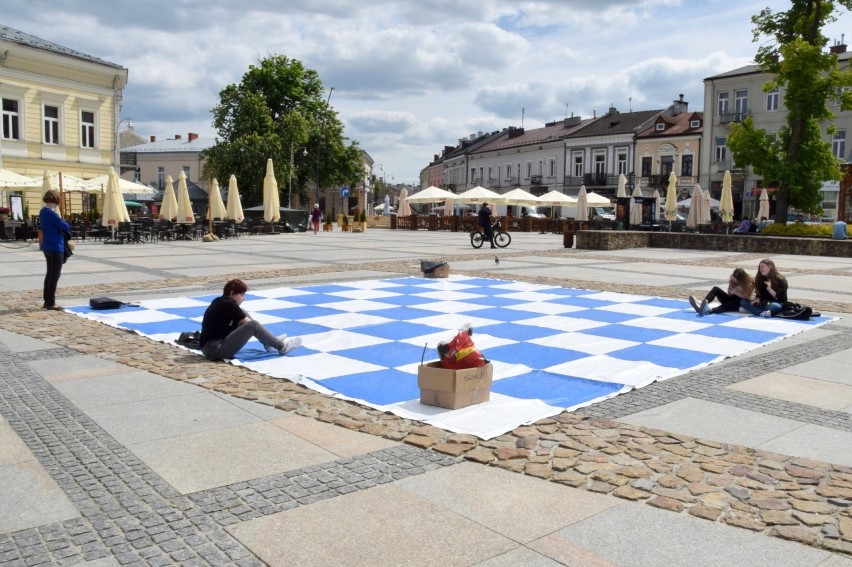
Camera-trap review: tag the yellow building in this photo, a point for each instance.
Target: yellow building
(60, 111)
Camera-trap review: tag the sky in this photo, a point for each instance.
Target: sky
(410, 76)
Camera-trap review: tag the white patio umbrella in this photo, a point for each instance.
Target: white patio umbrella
(216, 208)
(694, 218)
(124, 185)
(636, 207)
(726, 203)
(763, 211)
(235, 206)
(70, 183)
(705, 206)
(184, 205)
(622, 186)
(431, 194)
(582, 204)
(11, 180)
(671, 198)
(404, 207)
(271, 201)
(519, 197)
(656, 197)
(479, 195)
(169, 206)
(595, 200)
(556, 199)
(115, 211)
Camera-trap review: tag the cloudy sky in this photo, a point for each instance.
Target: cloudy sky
(410, 76)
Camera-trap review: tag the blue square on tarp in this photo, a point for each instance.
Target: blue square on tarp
(403, 313)
(735, 333)
(295, 328)
(494, 301)
(664, 356)
(315, 299)
(580, 301)
(629, 333)
(506, 315)
(163, 327)
(382, 387)
(515, 332)
(396, 330)
(665, 302)
(554, 389)
(302, 312)
(532, 355)
(386, 354)
(601, 316)
(402, 300)
(186, 312)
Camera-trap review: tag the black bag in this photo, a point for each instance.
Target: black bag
(68, 248)
(190, 339)
(795, 311)
(106, 303)
(427, 266)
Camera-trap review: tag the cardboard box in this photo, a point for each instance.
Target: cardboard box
(453, 389)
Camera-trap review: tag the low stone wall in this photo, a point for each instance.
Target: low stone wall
(621, 239)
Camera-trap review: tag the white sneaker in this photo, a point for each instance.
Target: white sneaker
(766, 313)
(704, 309)
(272, 348)
(290, 345)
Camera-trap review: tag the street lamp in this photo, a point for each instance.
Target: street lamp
(117, 129)
(290, 185)
(319, 147)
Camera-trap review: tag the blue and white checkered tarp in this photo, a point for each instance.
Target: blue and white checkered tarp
(552, 348)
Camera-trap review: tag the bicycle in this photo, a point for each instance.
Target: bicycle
(501, 237)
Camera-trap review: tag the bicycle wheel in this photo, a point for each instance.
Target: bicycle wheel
(476, 239)
(502, 239)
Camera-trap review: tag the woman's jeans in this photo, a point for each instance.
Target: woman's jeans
(51, 278)
(231, 345)
(773, 307)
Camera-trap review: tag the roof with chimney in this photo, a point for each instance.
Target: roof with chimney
(615, 122)
(680, 124)
(15, 36)
(193, 143)
(517, 137)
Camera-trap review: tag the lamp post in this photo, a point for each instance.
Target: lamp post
(319, 146)
(117, 129)
(290, 173)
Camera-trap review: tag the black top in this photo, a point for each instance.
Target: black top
(780, 290)
(221, 317)
(484, 217)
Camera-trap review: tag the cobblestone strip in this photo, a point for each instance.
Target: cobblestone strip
(127, 511)
(245, 500)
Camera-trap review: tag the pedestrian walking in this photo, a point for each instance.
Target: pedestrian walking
(316, 215)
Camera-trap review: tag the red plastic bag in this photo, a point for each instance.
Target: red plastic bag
(460, 352)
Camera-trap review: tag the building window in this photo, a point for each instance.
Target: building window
(87, 129)
(578, 166)
(621, 162)
(490, 176)
(646, 167)
(838, 144)
(472, 175)
(552, 168)
(661, 126)
(666, 166)
(741, 104)
(185, 169)
(721, 149)
(722, 104)
(508, 171)
(694, 123)
(686, 165)
(51, 124)
(772, 99)
(529, 170)
(161, 177)
(11, 120)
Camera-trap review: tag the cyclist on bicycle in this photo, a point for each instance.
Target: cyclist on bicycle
(485, 223)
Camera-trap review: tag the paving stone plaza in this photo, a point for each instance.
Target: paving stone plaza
(117, 450)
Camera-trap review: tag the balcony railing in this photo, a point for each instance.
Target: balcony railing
(728, 117)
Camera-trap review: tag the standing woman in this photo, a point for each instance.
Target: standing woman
(53, 230)
(770, 288)
(316, 215)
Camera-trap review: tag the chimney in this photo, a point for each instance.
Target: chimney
(571, 121)
(153, 139)
(177, 137)
(194, 136)
(679, 106)
(515, 132)
(838, 47)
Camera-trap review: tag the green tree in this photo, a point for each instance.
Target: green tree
(278, 106)
(797, 158)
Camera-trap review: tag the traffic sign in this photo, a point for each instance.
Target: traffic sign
(344, 191)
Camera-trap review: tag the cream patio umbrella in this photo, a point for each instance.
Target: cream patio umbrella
(184, 205)
(125, 186)
(519, 197)
(404, 209)
(726, 202)
(595, 200)
(694, 218)
(636, 207)
(169, 206)
(622, 186)
(479, 195)
(556, 199)
(705, 206)
(216, 208)
(235, 207)
(671, 198)
(582, 204)
(656, 197)
(271, 201)
(11, 181)
(431, 194)
(115, 211)
(71, 183)
(763, 211)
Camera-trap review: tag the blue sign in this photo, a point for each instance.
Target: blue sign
(344, 191)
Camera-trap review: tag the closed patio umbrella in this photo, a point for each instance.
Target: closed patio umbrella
(404, 207)
(705, 206)
(636, 207)
(184, 205)
(115, 211)
(582, 204)
(271, 201)
(726, 202)
(622, 186)
(169, 207)
(234, 209)
(694, 218)
(763, 211)
(671, 198)
(216, 209)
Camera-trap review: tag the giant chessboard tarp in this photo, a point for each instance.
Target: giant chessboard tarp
(553, 348)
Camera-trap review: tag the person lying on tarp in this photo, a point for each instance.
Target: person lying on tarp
(460, 353)
(226, 328)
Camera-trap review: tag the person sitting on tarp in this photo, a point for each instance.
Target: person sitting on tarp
(460, 353)
(226, 328)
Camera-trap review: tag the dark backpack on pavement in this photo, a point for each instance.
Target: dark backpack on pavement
(795, 311)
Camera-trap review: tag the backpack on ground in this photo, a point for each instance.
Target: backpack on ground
(795, 311)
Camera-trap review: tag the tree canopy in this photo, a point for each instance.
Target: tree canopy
(797, 158)
(277, 107)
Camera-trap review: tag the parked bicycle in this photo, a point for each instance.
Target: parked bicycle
(501, 237)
